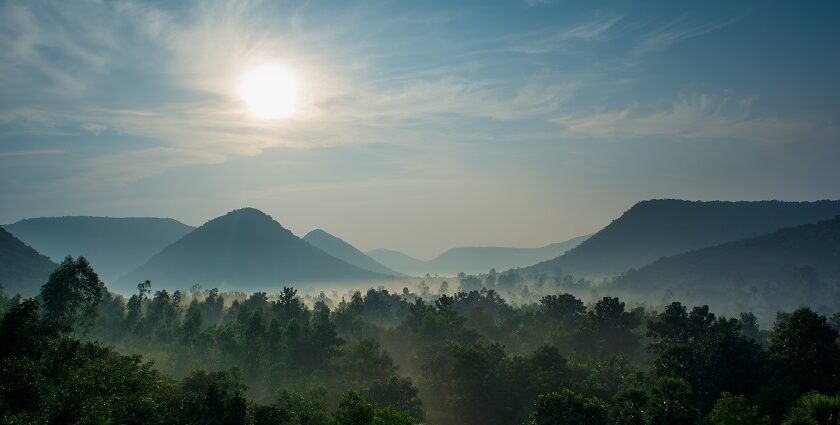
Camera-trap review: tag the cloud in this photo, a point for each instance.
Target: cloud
(31, 152)
(695, 117)
(547, 41)
(673, 33)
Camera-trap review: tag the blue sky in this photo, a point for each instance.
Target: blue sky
(420, 125)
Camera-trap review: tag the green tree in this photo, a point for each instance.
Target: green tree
(72, 294)
(669, 403)
(732, 409)
(568, 407)
(815, 409)
(355, 409)
(804, 349)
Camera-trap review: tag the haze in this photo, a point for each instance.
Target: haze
(539, 120)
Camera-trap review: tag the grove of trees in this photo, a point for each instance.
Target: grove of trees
(78, 353)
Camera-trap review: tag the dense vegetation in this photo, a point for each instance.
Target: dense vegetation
(80, 354)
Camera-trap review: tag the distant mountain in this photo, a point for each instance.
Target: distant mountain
(114, 246)
(342, 250)
(398, 261)
(245, 250)
(657, 228)
(473, 260)
(22, 269)
(782, 270)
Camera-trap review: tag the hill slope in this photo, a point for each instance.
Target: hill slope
(22, 269)
(114, 246)
(473, 260)
(653, 229)
(784, 269)
(398, 261)
(244, 250)
(342, 250)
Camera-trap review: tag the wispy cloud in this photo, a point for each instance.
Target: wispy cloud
(694, 117)
(552, 40)
(31, 152)
(673, 33)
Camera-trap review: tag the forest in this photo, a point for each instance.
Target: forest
(77, 353)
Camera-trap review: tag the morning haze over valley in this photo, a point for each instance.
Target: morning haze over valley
(507, 212)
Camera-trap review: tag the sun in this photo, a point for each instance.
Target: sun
(270, 91)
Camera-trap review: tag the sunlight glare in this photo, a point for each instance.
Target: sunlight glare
(270, 91)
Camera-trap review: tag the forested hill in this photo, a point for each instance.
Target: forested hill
(115, 245)
(342, 250)
(657, 228)
(245, 249)
(22, 269)
(473, 259)
(790, 267)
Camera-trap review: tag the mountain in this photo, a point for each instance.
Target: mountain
(657, 228)
(473, 260)
(778, 271)
(245, 250)
(398, 261)
(22, 269)
(114, 246)
(342, 250)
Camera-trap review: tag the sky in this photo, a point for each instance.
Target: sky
(416, 126)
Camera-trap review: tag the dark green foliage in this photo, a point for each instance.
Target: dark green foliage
(609, 329)
(73, 293)
(386, 358)
(356, 410)
(815, 409)
(669, 403)
(711, 355)
(804, 348)
(567, 407)
(732, 409)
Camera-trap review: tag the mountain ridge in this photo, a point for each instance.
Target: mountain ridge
(472, 259)
(22, 269)
(113, 245)
(656, 228)
(346, 252)
(245, 249)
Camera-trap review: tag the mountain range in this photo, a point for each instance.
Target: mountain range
(788, 268)
(246, 250)
(472, 260)
(22, 269)
(342, 250)
(115, 246)
(657, 228)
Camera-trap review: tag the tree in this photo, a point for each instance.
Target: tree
(355, 409)
(669, 403)
(398, 393)
(72, 294)
(568, 407)
(732, 409)
(564, 308)
(815, 409)
(804, 349)
(609, 329)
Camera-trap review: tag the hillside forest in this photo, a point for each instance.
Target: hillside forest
(78, 353)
